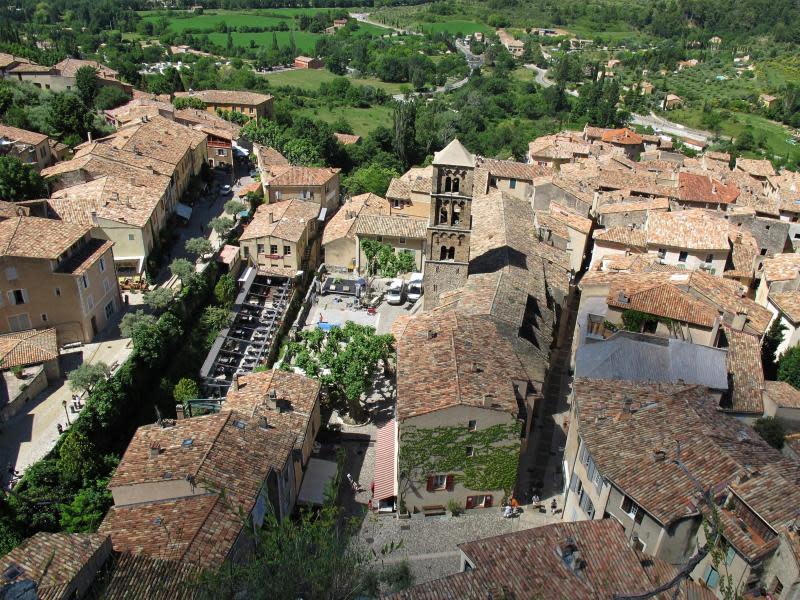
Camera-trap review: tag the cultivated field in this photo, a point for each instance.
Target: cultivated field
(309, 79)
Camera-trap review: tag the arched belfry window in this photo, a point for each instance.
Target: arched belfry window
(448, 184)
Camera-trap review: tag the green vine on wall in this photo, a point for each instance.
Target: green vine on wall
(438, 450)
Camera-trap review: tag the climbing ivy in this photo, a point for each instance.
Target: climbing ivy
(635, 321)
(492, 466)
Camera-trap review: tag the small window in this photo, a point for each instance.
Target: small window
(662, 253)
(109, 309)
(90, 302)
(246, 251)
(239, 424)
(44, 317)
(683, 256)
(58, 291)
(380, 238)
(439, 482)
(221, 152)
(287, 250)
(402, 240)
(729, 556)
(512, 184)
(766, 227)
(18, 296)
(106, 285)
(709, 259)
(763, 252)
(472, 425)
(711, 577)
(260, 248)
(469, 451)
(131, 237)
(85, 281)
(273, 249)
(102, 265)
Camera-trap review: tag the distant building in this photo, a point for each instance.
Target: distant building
(767, 101)
(251, 104)
(29, 147)
(672, 101)
(308, 62)
(61, 76)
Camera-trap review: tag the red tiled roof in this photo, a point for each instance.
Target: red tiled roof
(703, 188)
(622, 136)
(29, 347)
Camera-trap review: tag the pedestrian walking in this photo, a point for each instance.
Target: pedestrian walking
(553, 506)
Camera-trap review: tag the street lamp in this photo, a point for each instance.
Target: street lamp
(66, 412)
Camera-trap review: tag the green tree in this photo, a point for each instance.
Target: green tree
(198, 246)
(76, 457)
(225, 291)
(182, 269)
(405, 114)
(69, 117)
(158, 299)
(222, 225)
(87, 84)
(371, 178)
(87, 509)
(182, 102)
(769, 347)
(19, 181)
(87, 376)
(406, 262)
(311, 557)
(110, 96)
(771, 430)
(186, 389)
(302, 152)
(234, 207)
(789, 367)
(133, 320)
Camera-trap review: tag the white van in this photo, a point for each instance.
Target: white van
(414, 287)
(396, 293)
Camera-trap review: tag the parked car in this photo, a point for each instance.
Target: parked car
(414, 287)
(226, 189)
(396, 293)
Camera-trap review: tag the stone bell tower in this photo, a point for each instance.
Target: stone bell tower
(449, 222)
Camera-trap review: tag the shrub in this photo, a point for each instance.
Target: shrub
(87, 376)
(771, 430)
(455, 508)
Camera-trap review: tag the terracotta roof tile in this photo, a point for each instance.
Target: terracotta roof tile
(227, 97)
(34, 237)
(158, 138)
(29, 347)
(689, 229)
(569, 218)
(782, 267)
(758, 168)
(693, 187)
(788, 303)
(21, 135)
(286, 220)
(438, 370)
(782, 394)
(301, 176)
(656, 204)
(630, 237)
(526, 564)
(69, 68)
(513, 169)
(746, 371)
(342, 224)
(134, 576)
(347, 139)
(55, 560)
(406, 227)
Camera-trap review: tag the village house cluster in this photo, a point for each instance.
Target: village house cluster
(660, 273)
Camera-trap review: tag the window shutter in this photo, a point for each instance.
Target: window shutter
(25, 297)
(470, 502)
(449, 483)
(430, 483)
(11, 299)
(487, 503)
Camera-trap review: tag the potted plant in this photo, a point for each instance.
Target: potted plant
(455, 508)
(403, 510)
(18, 372)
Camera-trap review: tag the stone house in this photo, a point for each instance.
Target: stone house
(56, 275)
(403, 234)
(319, 185)
(339, 237)
(29, 147)
(283, 235)
(61, 77)
(410, 194)
(254, 105)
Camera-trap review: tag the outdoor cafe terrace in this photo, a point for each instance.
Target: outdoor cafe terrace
(258, 315)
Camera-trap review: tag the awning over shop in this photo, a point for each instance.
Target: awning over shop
(319, 474)
(129, 263)
(385, 481)
(184, 210)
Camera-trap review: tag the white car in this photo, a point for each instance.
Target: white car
(397, 292)
(414, 288)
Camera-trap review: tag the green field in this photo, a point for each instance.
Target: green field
(362, 120)
(180, 21)
(452, 27)
(309, 79)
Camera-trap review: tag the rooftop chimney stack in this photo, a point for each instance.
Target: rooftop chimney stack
(272, 400)
(235, 382)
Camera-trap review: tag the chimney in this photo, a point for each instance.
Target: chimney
(155, 450)
(432, 334)
(235, 382)
(89, 136)
(739, 320)
(659, 455)
(262, 422)
(622, 298)
(179, 412)
(271, 217)
(272, 399)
